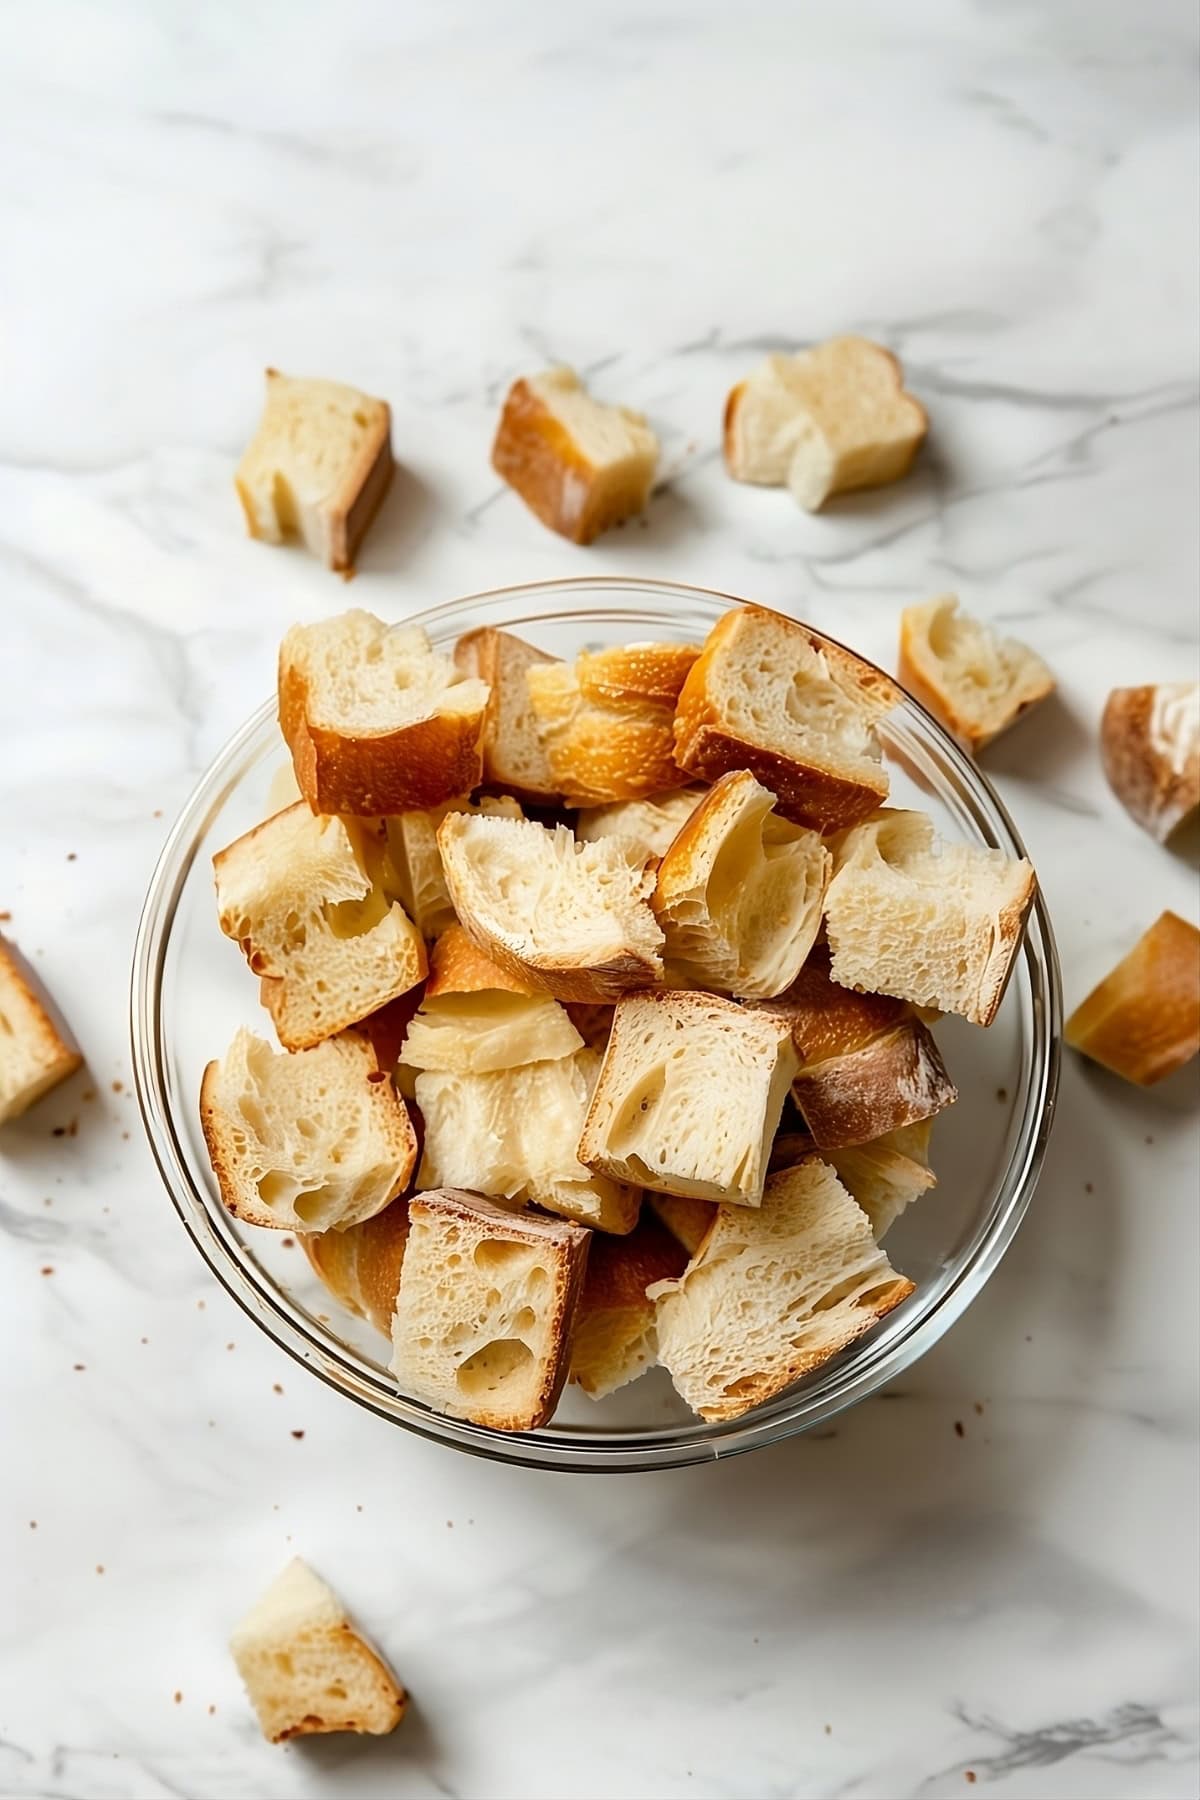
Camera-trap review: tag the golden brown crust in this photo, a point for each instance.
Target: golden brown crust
(361, 1265)
(614, 1313)
(1150, 748)
(482, 653)
(1143, 1020)
(604, 983)
(38, 1027)
(457, 965)
(733, 403)
(538, 457)
(896, 1079)
(830, 1020)
(608, 723)
(920, 671)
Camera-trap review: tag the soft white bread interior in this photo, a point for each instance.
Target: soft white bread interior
(936, 924)
(824, 421)
(305, 1667)
(284, 790)
(606, 720)
(686, 1219)
(376, 719)
(308, 900)
(36, 1047)
(318, 467)
(486, 1309)
(739, 893)
(773, 1293)
(976, 682)
(650, 826)
(514, 757)
(572, 918)
(580, 466)
(305, 1142)
(886, 1176)
(1150, 745)
(1143, 1021)
(614, 1339)
(420, 879)
(769, 696)
(361, 1264)
(689, 1096)
(477, 1017)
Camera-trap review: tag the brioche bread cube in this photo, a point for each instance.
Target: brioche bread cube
(477, 1017)
(769, 696)
(377, 721)
(650, 826)
(486, 1309)
(420, 878)
(614, 1339)
(824, 421)
(579, 465)
(1150, 747)
(318, 467)
(606, 721)
(36, 1047)
(305, 1667)
(976, 682)
(689, 1097)
(514, 757)
(686, 1219)
(1143, 1020)
(774, 1293)
(361, 1264)
(935, 924)
(739, 893)
(887, 1175)
(571, 918)
(305, 1142)
(307, 900)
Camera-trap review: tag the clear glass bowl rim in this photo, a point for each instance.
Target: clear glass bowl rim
(884, 1355)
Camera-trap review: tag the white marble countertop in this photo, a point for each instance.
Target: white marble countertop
(427, 201)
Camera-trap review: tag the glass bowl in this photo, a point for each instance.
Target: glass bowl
(191, 990)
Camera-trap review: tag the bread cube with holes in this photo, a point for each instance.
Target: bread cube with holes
(420, 877)
(977, 682)
(579, 465)
(36, 1048)
(606, 720)
(649, 826)
(486, 1309)
(689, 1096)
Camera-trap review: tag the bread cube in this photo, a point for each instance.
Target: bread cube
(581, 467)
(606, 721)
(1143, 1021)
(36, 1048)
(1150, 745)
(615, 1339)
(514, 758)
(975, 681)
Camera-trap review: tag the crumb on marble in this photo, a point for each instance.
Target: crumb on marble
(157, 814)
(1002, 1094)
(960, 1429)
(211, 1711)
(59, 1131)
(99, 1568)
(178, 1696)
(73, 1128)
(47, 1268)
(118, 1087)
(969, 1775)
(829, 1731)
(276, 1387)
(5, 917)
(231, 1346)
(125, 1136)
(297, 1434)
(71, 856)
(1088, 1188)
(288, 1243)
(47, 1200)
(144, 1340)
(199, 1306)
(79, 1367)
(449, 1524)
(358, 1509)
(1149, 1138)
(33, 1524)
(978, 1405)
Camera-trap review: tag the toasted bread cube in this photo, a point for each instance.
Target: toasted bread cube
(607, 720)
(486, 1309)
(318, 468)
(306, 898)
(772, 1294)
(650, 826)
(614, 1338)
(1150, 745)
(36, 1048)
(580, 466)
(361, 1264)
(976, 682)
(377, 721)
(1143, 1021)
(514, 758)
(935, 924)
(799, 713)
(305, 1667)
(477, 1017)
(888, 1174)
(420, 878)
(689, 1097)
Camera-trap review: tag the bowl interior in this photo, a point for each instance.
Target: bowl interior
(192, 991)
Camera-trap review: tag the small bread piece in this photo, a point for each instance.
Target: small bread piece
(377, 721)
(798, 712)
(486, 1309)
(739, 893)
(606, 721)
(514, 758)
(305, 1142)
(977, 683)
(579, 465)
(318, 467)
(936, 924)
(361, 1265)
(650, 826)
(478, 1017)
(305, 1667)
(420, 879)
(886, 1176)
(1150, 745)
(307, 899)
(36, 1047)
(773, 1294)
(824, 421)
(572, 918)
(689, 1097)
(614, 1338)
(688, 1220)
(1143, 1021)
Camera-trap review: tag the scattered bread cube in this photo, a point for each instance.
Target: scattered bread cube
(936, 924)
(361, 1264)
(572, 918)
(650, 826)
(1143, 1021)
(686, 1219)
(1150, 745)
(420, 878)
(318, 467)
(886, 1175)
(977, 683)
(773, 1293)
(376, 719)
(305, 1667)
(615, 1339)
(689, 1097)
(514, 757)
(305, 1141)
(824, 421)
(307, 899)
(36, 1047)
(486, 1309)
(739, 893)
(606, 721)
(579, 465)
(798, 712)
(477, 1017)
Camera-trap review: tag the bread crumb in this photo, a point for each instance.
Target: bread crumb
(231, 1346)
(969, 1775)
(99, 1568)
(144, 1340)
(125, 1135)
(358, 1509)
(1088, 1188)
(59, 1131)
(48, 1269)
(178, 1696)
(297, 1434)
(199, 1306)
(118, 1087)
(978, 1404)
(78, 1367)
(960, 1429)
(1149, 1139)
(5, 917)
(288, 1243)
(71, 856)
(73, 1128)
(1002, 1095)
(88, 1094)
(275, 1388)
(46, 1200)
(33, 1524)
(829, 1731)
(211, 1711)
(157, 814)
